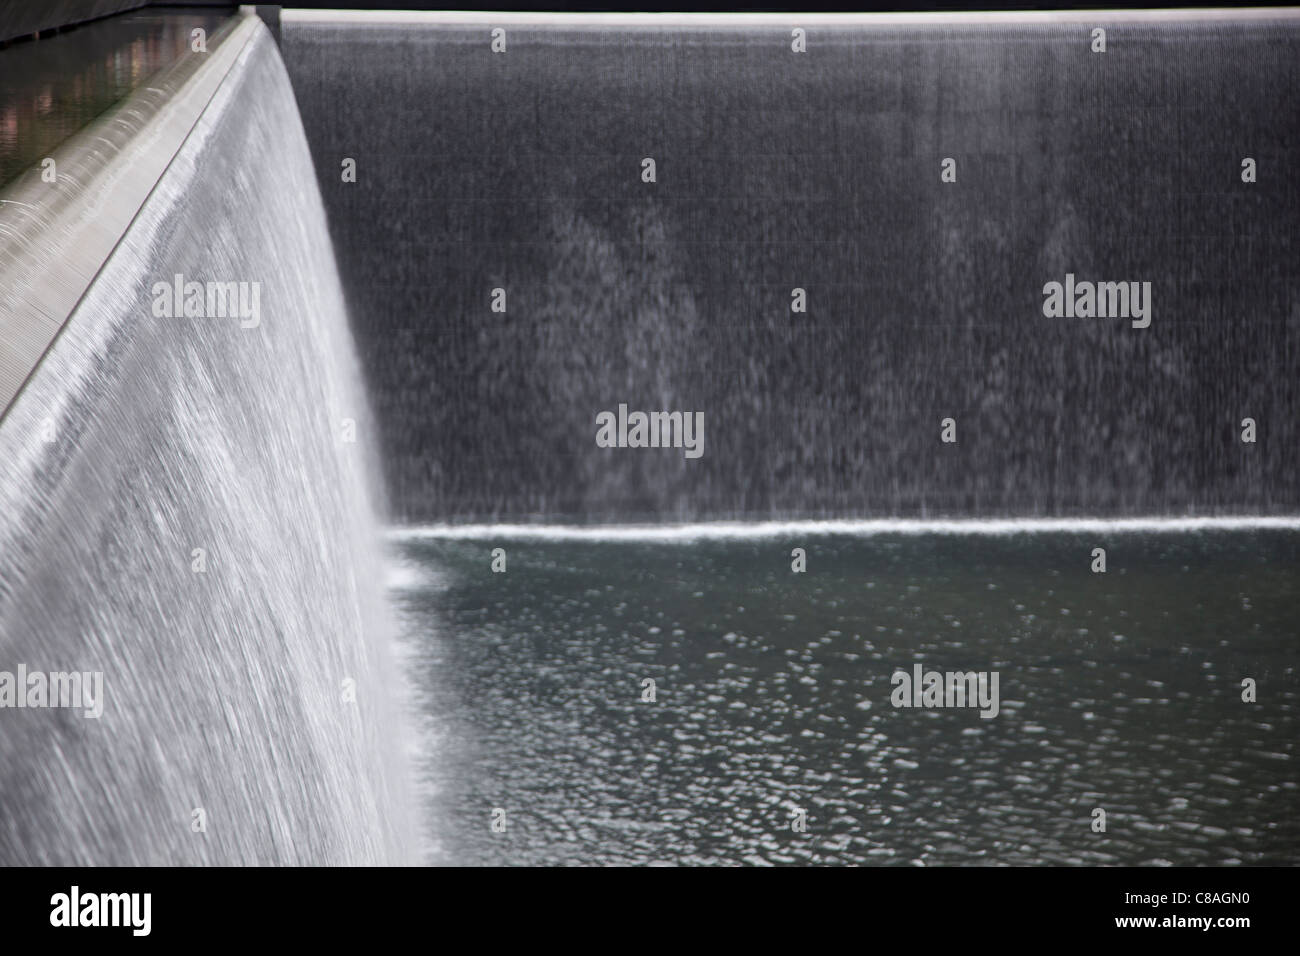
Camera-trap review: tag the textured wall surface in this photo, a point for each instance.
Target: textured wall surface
(775, 170)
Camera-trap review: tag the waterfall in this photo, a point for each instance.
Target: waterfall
(183, 510)
(842, 250)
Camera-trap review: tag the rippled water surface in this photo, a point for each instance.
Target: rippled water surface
(1119, 690)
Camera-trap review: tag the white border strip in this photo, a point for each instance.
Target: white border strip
(778, 529)
(713, 20)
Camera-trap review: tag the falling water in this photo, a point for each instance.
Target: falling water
(199, 530)
(521, 171)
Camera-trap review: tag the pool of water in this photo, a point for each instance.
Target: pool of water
(1120, 691)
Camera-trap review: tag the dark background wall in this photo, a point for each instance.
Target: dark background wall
(23, 18)
(522, 170)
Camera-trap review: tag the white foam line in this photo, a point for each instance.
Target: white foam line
(711, 20)
(781, 529)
